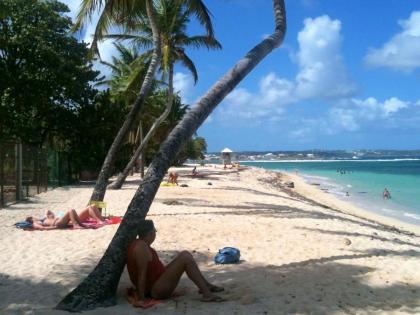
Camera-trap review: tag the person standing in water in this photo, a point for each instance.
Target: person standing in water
(386, 194)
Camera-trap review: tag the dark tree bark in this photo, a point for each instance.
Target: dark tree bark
(105, 173)
(142, 155)
(99, 288)
(123, 175)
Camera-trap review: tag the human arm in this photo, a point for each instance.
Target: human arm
(37, 226)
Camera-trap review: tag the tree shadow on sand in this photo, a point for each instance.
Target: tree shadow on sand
(281, 212)
(374, 236)
(256, 192)
(330, 285)
(19, 295)
(318, 286)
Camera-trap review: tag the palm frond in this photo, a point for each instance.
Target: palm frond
(203, 15)
(201, 41)
(86, 10)
(187, 62)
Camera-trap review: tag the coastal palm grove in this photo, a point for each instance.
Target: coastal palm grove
(51, 97)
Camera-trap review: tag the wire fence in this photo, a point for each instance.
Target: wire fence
(26, 171)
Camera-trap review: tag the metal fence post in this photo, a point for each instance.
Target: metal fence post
(18, 171)
(1, 176)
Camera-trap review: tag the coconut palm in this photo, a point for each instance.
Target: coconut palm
(122, 13)
(113, 12)
(99, 288)
(172, 18)
(128, 71)
(125, 77)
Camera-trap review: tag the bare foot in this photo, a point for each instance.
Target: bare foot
(214, 288)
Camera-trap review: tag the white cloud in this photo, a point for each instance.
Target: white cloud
(276, 91)
(321, 74)
(183, 84)
(342, 118)
(402, 51)
(352, 113)
(393, 105)
(273, 94)
(371, 108)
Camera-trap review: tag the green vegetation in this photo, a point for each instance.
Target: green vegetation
(45, 72)
(48, 94)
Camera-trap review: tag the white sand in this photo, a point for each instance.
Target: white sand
(295, 257)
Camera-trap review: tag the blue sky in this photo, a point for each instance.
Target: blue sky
(346, 77)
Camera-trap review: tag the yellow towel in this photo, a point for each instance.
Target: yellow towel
(163, 184)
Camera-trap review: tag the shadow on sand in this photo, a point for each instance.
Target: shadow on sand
(333, 284)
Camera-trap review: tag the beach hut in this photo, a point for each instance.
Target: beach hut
(227, 155)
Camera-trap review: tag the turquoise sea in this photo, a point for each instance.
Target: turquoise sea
(362, 182)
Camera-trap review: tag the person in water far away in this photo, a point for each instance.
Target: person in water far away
(386, 194)
(154, 280)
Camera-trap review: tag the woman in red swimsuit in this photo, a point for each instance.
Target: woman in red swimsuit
(152, 279)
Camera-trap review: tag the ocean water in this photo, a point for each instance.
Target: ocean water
(364, 181)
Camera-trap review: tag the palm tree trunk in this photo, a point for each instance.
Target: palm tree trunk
(105, 173)
(123, 175)
(99, 288)
(142, 155)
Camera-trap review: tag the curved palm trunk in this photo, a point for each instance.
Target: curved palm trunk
(102, 181)
(122, 177)
(142, 154)
(99, 288)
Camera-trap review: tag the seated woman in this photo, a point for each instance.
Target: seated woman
(51, 221)
(173, 178)
(154, 280)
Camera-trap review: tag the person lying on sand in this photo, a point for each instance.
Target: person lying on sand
(51, 221)
(152, 279)
(173, 178)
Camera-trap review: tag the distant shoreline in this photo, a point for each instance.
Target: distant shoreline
(341, 160)
(332, 201)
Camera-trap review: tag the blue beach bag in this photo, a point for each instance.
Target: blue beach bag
(227, 255)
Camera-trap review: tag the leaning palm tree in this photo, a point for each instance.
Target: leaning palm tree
(172, 19)
(99, 288)
(123, 13)
(117, 12)
(128, 69)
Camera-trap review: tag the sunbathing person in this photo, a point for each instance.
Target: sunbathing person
(154, 280)
(173, 178)
(51, 221)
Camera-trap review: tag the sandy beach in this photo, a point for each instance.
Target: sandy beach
(302, 250)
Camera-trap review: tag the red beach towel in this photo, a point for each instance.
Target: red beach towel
(133, 299)
(89, 223)
(92, 224)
